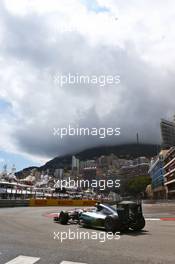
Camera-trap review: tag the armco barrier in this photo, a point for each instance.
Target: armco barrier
(59, 202)
(13, 203)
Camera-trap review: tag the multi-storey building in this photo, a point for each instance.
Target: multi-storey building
(169, 172)
(131, 169)
(75, 167)
(167, 133)
(156, 172)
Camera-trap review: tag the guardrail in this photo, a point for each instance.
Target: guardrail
(45, 202)
(14, 203)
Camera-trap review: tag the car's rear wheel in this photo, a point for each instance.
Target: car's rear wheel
(138, 224)
(110, 224)
(63, 218)
(56, 219)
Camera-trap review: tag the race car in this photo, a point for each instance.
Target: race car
(127, 215)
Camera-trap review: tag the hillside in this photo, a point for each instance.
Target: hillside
(123, 151)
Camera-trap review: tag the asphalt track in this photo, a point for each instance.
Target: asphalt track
(27, 237)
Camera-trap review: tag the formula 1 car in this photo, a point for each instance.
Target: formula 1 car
(127, 215)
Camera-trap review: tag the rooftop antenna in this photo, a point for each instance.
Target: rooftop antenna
(13, 169)
(174, 118)
(137, 138)
(5, 168)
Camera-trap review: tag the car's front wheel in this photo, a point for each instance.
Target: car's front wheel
(56, 219)
(63, 218)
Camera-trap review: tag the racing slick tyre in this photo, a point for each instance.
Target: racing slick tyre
(110, 224)
(138, 224)
(63, 218)
(56, 219)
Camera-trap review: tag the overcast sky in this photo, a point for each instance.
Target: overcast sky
(42, 38)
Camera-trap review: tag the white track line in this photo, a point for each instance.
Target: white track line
(152, 219)
(70, 262)
(23, 260)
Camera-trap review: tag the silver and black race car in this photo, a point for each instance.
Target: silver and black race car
(127, 215)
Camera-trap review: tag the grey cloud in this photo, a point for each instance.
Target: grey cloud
(136, 105)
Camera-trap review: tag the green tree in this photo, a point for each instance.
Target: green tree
(138, 184)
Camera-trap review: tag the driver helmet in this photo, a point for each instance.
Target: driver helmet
(97, 205)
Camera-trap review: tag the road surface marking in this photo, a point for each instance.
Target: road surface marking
(152, 219)
(167, 218)
(70, 262)
(51, 215)
(161, 219)
(23, 260)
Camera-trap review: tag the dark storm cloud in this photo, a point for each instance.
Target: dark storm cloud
(141, 102)
(136, 105)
